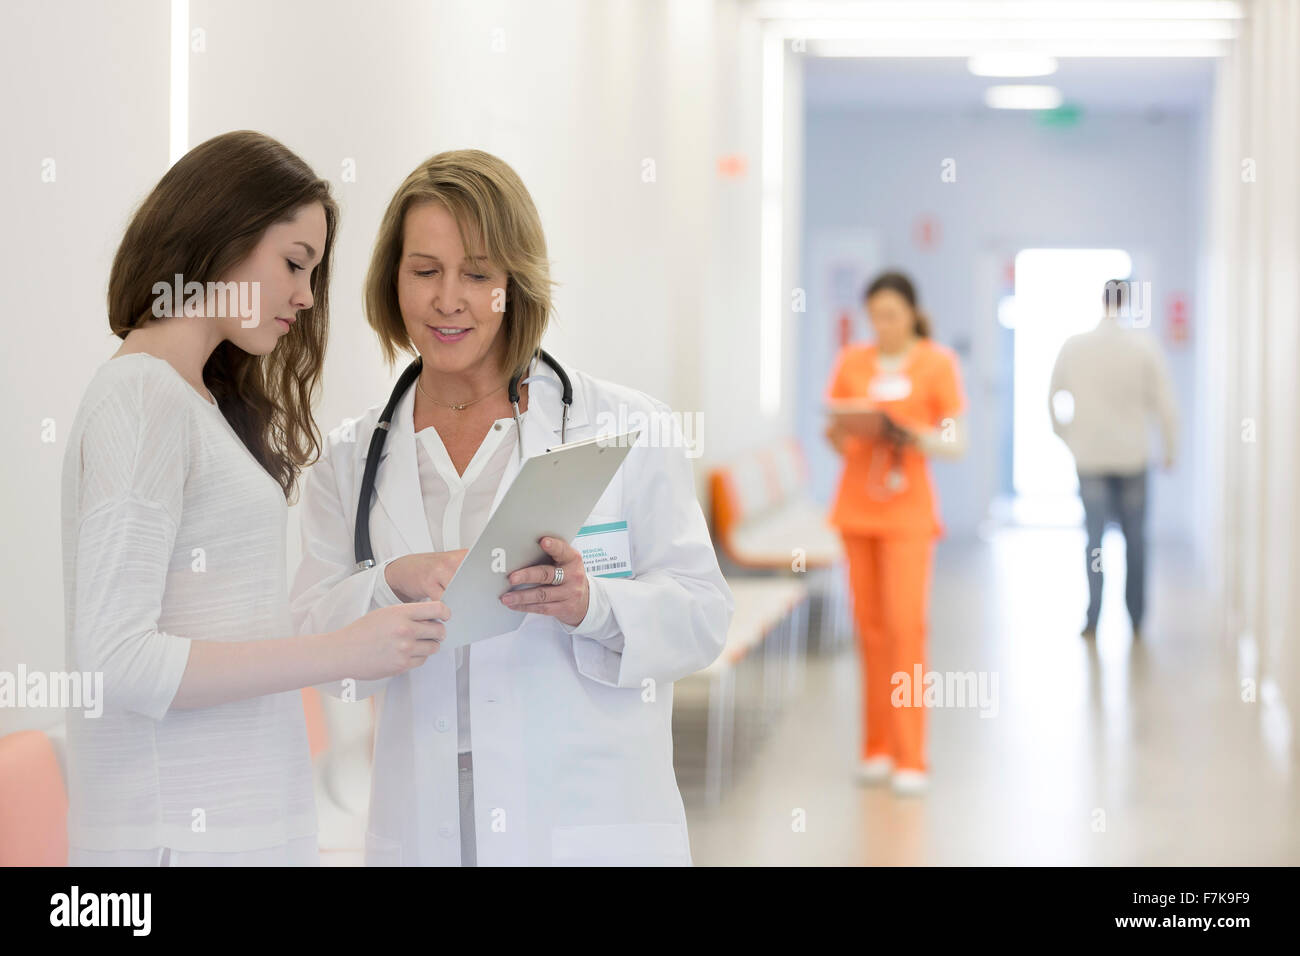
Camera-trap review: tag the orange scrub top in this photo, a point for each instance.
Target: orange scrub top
(921, 393)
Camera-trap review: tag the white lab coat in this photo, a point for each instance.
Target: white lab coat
(572, 741)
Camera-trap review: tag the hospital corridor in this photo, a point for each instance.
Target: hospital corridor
(1152, 736)
(823, 434)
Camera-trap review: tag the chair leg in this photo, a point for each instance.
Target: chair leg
(729, 727)
(720, 732)
(798, 638)
(770, 676)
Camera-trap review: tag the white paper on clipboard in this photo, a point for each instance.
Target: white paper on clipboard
(550, 497)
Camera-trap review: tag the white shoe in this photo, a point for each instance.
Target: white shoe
(909, 782)
(876, 769)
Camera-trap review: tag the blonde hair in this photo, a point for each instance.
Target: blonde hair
(488, 200)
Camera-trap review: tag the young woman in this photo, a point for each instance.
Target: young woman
(887, 512)
(569, 758)
(185, 449)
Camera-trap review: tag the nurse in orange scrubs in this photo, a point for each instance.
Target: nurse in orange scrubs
(887, 513)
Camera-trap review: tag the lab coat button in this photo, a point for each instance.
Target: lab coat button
(442, 724)
(496, 427)
(444, 830)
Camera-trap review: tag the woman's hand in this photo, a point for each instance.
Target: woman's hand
(392, 640)
(415, 577)
(868, 426)
(566, 601)
(836, 434)
(903, 435)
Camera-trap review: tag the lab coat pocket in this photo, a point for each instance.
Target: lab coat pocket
(623, 844)
(381, 851)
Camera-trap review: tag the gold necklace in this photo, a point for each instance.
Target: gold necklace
(459, 408)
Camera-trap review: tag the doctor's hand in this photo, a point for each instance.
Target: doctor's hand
(415, 577)
(566, 601)
(392, 640)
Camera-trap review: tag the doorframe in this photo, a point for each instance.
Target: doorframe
(992, 359)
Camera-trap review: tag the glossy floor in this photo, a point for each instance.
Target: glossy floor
(1105, 753)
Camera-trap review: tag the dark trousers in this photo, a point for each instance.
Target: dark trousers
(1123, 499)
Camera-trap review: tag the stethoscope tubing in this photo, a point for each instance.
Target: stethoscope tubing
(365, 557)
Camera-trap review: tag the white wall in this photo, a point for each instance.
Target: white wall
(1254, 242)
(1114, 180)
(658, 280)
(85, 87)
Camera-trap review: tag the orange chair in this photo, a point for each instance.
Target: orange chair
(764, 520)
(33, 802)
(762, 512)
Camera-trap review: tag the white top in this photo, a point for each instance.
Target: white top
(457, 509)
(172, 532)
(1119, 382)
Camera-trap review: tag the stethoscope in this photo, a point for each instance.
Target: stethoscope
(361, 540)
(895, 481)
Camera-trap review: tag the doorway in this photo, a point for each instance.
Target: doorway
(1057, 294)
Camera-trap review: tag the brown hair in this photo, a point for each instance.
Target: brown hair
(203, 218)
(900, 283)
(488, 200)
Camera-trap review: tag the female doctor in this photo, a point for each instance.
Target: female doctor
(550, 744)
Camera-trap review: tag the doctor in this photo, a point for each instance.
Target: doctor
(550, 744)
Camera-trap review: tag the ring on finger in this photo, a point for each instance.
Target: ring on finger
(559, 575)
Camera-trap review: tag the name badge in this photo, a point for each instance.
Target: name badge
(606, 551)
(889, 387)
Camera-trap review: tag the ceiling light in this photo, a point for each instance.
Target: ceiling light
(1000, 9)
(1022, 97)
(1011, 64)
(1062, 48)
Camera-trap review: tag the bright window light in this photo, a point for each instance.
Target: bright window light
(1058, 294)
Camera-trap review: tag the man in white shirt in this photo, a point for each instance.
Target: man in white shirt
(1119, 382)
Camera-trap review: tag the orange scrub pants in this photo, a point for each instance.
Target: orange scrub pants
(889, 578)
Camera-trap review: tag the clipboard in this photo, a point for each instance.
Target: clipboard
(890, 432)
(550, 497)
(852, 408)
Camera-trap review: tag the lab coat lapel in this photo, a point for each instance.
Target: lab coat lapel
(401, 506)
(398, 482)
